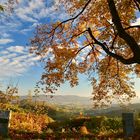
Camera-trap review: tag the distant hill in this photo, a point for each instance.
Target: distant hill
(70, 99)
(62, 99)
(115, 110)
(85, 104)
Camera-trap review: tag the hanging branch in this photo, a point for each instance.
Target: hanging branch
(130, 41)
(116, 56)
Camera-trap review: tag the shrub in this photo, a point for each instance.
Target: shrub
(29, 122)
(83, 130)
(112, 123)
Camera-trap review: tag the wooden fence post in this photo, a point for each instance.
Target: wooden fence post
(128, 124)
(5, 116)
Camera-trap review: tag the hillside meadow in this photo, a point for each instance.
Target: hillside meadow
(39, 120)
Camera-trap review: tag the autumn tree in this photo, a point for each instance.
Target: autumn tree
(100, 39)
(9, 95)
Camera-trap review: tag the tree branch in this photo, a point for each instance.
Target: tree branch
(137, 2)
(70, 19)
(130, 41)
(73, 18)
(135, 26)
(69, 63)
(118, 57)
(130, 27)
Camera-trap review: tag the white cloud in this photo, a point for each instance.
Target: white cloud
(30, 28)
(18, 49)
(28, 11)
(34, 10)
(9, 56)
(137, 22)
(25, 31)
(21, 58)
(4, 52)
(5, 35)
(34, 25)
(6, 41)
(27, 18)
(15, 61)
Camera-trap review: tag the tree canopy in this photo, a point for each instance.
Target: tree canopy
(100, 39)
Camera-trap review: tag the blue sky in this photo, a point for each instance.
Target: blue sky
(16, 63)
(16, 29)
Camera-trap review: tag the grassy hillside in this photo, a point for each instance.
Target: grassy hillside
(32, 119)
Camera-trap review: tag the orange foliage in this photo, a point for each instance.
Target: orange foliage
(28, 122)
(98, 40)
